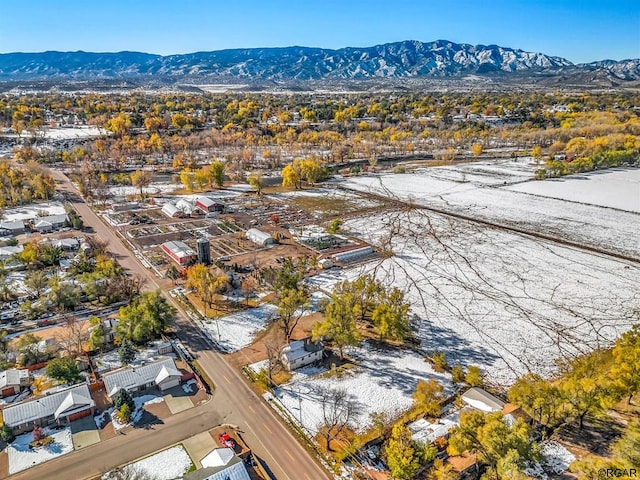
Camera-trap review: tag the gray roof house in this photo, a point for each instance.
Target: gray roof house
(162, 374)
(50, 222)
(482, 400)
(14, 227)
(59, 408)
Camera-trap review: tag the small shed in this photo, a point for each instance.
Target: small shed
(259, 237)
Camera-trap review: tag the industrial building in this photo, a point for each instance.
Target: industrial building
(180, 252)
(203, 248)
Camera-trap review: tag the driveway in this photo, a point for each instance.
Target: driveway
(84, 433)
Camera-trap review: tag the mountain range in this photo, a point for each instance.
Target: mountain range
(401, 60)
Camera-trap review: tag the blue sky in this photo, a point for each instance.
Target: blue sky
(579, 30)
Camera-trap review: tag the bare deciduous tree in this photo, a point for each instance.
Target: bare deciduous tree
(339, 410)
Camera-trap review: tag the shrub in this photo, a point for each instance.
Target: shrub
(124, 412)
(439, 360)
(6, 434)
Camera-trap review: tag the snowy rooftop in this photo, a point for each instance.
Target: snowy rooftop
(42, 407)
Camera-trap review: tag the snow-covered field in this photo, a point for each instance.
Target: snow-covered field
(169, 464)
(21, 456)
(507, 204)
(236, 331)
(330, 194)
(506, 302)
(609, 188)
(383, 381)
(154, 188)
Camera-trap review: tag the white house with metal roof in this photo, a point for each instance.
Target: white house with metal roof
(13, 380)
(300, 353)
(58, 408)
(162, 374)
(482, 400)
(220, 464)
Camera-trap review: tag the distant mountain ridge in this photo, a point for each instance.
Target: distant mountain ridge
(407, 59)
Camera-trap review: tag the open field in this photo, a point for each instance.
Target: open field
(618, 189)
(507, 302)
(595, 225)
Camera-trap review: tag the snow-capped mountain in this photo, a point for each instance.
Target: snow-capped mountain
(439, 59)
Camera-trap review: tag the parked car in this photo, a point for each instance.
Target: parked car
(226, 440)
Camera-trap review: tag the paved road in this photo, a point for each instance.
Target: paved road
(97, 459)
(233, 401)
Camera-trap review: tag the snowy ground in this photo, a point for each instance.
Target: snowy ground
(508, 204)
(168, 464)
(556, 460)
(140, 402)
(383, 381)
(238, 330)
(330, 194)
(21, 456)
(154, 188)
(70, 133)
(28, 212)
(608, 188)
(110, 360)
(506, 302)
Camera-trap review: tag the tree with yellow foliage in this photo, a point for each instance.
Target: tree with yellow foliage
(291, 177)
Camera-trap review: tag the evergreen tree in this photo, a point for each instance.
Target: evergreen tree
(127, 352)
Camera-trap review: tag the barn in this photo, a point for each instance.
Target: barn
(180, 252)
(207, 204)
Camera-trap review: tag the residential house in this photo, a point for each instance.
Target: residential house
(9, 251)
(300, 353)
(60, 408)
(220, 464)
(162, 374)
(12, 228)
(482, 400)
(13, 380)
(50, 222)
(66, 244)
